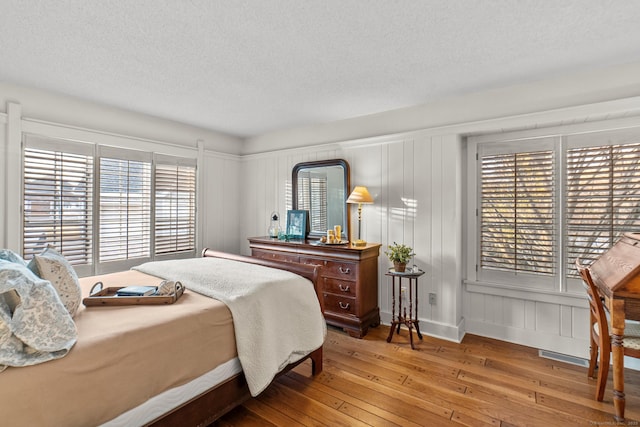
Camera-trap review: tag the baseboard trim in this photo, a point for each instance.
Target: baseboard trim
(443, 331)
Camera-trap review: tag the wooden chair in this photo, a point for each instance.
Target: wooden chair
(600, 339)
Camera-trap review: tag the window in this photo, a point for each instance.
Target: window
(603, 198)
(518, 212)
(175, 207)
(105, 208)
(58, 200)
(125, 209)
(543, 202)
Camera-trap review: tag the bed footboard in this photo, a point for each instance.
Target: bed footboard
(309, 271)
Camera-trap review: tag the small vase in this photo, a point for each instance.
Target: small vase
(399, 267)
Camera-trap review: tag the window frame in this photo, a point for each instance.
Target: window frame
(37, 142)
(525, 279)
(110, 146)
(564, 138)
(161, 159)
(105, 152)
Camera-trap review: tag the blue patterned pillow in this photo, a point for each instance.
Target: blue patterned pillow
(7, 255)
(52, 266)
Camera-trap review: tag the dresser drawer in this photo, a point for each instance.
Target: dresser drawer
(339, 304)
(347, 285)
(336, 269)
(340, 287)
(274, 256)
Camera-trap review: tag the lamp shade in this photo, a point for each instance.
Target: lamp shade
(360, 194)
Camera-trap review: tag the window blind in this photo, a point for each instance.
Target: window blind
(603, 199)
(312, 196)
(125, 209)
(58, 188)
(175, 208)
(517, 217)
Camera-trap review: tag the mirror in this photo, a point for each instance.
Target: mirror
(322, 188)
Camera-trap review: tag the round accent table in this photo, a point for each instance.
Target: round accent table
(401, 317)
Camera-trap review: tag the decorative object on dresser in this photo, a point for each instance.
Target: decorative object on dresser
(360, 195)
(297, 224)
(399, 255)
(348, 283)
(274, 224)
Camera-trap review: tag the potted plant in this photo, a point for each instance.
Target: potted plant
(400, 255)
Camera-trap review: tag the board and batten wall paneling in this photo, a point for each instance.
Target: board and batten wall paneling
(551, 326)
(266, 184)
(416, 188)
(222, 202)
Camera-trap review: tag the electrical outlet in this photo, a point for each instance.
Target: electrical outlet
(432, 298)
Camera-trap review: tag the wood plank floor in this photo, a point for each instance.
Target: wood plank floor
(480, 382)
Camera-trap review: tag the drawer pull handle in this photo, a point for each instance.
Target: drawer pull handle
(344, 288)
(344, 270)
(343, 305)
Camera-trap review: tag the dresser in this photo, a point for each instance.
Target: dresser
(348, 285)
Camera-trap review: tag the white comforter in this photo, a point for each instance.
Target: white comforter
(276, 314)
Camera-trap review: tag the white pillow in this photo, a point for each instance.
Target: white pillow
(52, 266)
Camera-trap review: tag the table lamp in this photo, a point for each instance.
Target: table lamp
(360, 195)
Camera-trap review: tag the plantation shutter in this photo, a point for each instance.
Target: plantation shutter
(318, 202)
(603, 199)
(57, 195)
(312, 196)
(125, 205)
(517, 212)
(175, 206)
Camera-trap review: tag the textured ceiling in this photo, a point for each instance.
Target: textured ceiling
(248, 67)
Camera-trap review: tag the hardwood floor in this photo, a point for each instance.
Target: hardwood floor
(480, 382)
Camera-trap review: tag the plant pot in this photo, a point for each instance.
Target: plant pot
(399, 267)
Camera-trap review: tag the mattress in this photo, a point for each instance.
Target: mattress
(175, 397)
(124, 356)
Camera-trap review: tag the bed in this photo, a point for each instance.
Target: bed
(175, 364)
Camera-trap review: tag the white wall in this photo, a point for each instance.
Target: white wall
(416, 184)
(30, 110)
(56, 108)
(426, 168)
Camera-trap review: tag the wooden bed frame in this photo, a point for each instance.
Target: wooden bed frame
(217, 401)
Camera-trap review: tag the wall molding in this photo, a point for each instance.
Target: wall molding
(539, 119)
(88, 135)
(99, 137)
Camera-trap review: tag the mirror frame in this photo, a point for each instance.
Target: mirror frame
(346, 184)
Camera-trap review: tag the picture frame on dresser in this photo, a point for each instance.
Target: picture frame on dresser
(297, 224)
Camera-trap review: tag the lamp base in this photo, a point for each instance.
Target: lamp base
(359, 243)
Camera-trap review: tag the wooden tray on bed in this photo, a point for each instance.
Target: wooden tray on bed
(108, 297)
